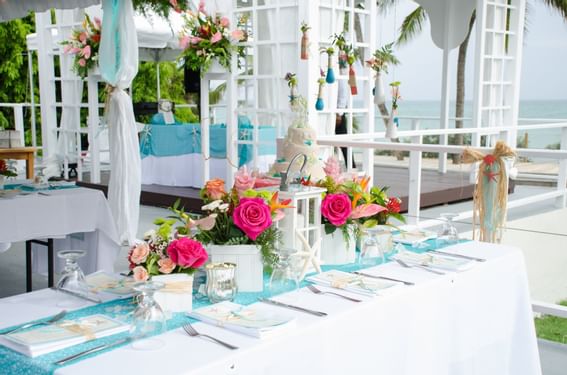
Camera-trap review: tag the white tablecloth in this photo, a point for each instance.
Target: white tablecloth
(478, 322)
(187, 170)
(79, 211)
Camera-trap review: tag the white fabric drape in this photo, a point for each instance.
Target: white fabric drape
(118, 66)
(10, 9)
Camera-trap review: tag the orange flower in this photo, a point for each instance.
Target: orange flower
(215, 188)
(276, 205)
(364, 187)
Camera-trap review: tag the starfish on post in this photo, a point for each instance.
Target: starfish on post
(310, 254)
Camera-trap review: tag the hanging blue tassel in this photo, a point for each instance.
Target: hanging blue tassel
(330, 76)
(319, 104)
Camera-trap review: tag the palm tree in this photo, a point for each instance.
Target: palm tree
(413, 25)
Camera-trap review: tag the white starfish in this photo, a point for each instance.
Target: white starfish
(310, 253)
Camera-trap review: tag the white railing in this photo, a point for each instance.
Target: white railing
(18, 110)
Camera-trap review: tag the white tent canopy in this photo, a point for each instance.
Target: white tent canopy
(10, 9)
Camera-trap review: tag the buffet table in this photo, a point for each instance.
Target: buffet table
(474, 322)
(77, 218)
(172, 155)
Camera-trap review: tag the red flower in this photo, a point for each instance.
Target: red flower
(393, 205)
(3, 166)
(489, 159)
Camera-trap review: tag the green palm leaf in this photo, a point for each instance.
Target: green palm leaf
(412, 25)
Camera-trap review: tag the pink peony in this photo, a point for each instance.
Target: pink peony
(166, 265)
(216, 37)
(366, 210)
(83, 62)
(140, 253)
(140, 273)
(187, 252)
(252, 216)
(224, 21)
(243, 180)
(86, 52)
(332, 168)
(336, 208)
(237, 35)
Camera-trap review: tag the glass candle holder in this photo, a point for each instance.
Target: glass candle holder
(221, 282)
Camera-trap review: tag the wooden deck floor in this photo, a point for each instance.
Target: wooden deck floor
(436, 188)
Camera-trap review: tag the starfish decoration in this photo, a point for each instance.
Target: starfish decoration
(491, 175)
(310, 254)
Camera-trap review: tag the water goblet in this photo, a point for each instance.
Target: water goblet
(372, 251)
(448, 235)
(148, 318)
(72, 279)
(285, 275)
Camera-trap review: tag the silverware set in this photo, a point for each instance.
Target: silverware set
(55, 318)
(191, 331)
(315, 290)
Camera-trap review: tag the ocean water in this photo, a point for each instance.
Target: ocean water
(532, 109)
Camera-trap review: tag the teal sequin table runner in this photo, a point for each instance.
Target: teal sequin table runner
(15, 363)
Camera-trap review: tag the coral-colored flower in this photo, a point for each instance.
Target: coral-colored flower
(252, 216)
(86, 52)
(214, 188)
(83, 37)
(140, 273)
(336, 208)
(166, 265)
(96, 38)
(82, 62)
(139, 253)
(366, 210)
(224, 21)
(393, 205)
(237, 34)
(216, 37)
(187, 252)
(243, 180)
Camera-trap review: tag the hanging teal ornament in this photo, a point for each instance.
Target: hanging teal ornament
(319, 104)
(330, 78)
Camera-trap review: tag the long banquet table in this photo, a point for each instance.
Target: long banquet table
(474, 322)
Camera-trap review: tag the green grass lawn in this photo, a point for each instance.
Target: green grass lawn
(552, 328)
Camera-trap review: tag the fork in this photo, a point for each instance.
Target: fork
(193, 333)
(51, 320)
(318, 291)
(420, 266)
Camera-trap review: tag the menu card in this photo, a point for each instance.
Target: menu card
(353, 283)
(442, 262)
(414, 236)
(49, 338)
(248, 320)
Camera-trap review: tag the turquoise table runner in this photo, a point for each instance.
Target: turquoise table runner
(182, 139)
(15, 363)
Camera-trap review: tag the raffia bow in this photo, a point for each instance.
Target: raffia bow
(84, 329)
(108, 90)
(492, 169)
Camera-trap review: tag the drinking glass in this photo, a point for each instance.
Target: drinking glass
(371, 251)
(148, 319)
(448, 235)
(72, 279)
(285, 275)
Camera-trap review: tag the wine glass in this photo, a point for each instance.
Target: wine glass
(371, 249)
(285, 275)
(148, 319)
(448, 235)
(72, 279)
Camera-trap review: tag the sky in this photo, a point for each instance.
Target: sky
(543, 64)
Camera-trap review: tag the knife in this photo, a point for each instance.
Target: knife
(383, 278)
(457, 255)
(293, 307)
(94, 350)
(78, 295)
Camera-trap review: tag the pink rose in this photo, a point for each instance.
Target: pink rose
(336, 208)
(86, 52)
(224, 21)
(139, 253)
(187, 252)
(243, 180)
(216, 37)
(140, 274)
(214, 188)
(237, 35)
(252, 216)
(83, 62)
(166, 265)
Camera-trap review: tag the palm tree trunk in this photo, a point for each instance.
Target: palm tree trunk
(460, 100)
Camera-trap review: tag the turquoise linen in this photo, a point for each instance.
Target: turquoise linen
(182, 139)
(18, 364)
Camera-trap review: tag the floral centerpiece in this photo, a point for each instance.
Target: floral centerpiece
(84, 45)
(5, 171)
(162, 253)
(208, 37)
(381, 60)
